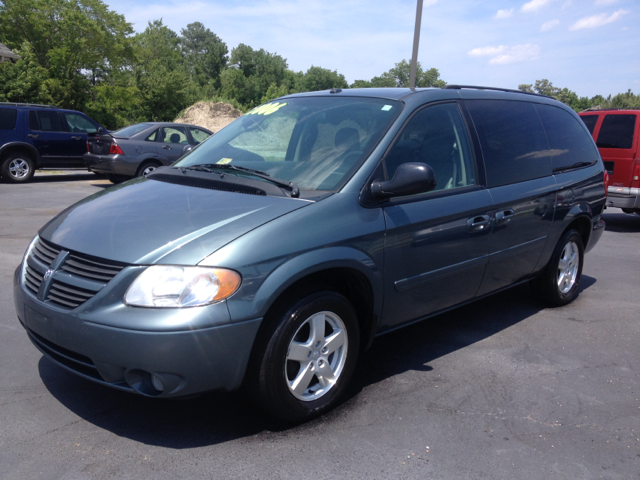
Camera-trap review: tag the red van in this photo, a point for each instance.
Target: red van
(617, 134)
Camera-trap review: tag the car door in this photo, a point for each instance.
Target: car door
(436, 244)
(172, 141)
(47, 134)
(78, 126)
(615, 140)
(523, 190)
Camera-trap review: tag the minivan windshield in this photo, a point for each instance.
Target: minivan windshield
(315, 142)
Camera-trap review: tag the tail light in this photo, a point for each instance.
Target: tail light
(606, 184)
(114, 149)
(88, 146)
(635, 177)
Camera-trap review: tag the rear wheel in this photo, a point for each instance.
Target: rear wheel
(113, 178)
(306, 357)
(559, 282)
(146, 168)
(17, 167)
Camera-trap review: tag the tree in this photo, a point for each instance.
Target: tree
(399, 76)
(68, 38)
(24, 80)
(205, 54)
(317, 78)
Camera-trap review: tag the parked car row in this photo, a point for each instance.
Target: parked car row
(274, 253)
(42, 136)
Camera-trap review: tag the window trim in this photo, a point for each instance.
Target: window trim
(366, 199)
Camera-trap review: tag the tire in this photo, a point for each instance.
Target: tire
(115, 179)
(17, 167)
(304, 359)
(559, 282)
(146, 168)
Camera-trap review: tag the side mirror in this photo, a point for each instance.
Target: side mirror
(186, 149)
(409, 179)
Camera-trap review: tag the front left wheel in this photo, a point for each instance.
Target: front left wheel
(17, 168)
(306, 356)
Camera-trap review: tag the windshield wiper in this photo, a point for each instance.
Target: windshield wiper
(209, 167)
(575, 165)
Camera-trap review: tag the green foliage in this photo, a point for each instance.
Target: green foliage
(205, 54)
(399, 76)
(24, 80)
(318, 78)
(566, 96)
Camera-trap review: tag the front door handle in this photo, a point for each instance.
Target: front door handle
(504, 217)
(479, 223)
(74, 137)
(33, 135)
(166, 147)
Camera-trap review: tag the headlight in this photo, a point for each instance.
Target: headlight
(170, 286)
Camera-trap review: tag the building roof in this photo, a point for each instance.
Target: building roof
(6, 53)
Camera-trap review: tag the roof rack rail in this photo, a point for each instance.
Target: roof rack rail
(598, 109)
(12, 104)
(476, 87)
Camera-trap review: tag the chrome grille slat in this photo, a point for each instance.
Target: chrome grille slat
(61, 293)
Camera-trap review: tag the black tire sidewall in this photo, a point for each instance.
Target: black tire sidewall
(549, 288)
(5, 167)
(145, 165)
(274, 393)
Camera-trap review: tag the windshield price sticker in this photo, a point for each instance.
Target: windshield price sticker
(266, 109)
(224, 161)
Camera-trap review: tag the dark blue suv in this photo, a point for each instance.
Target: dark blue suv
(41, 136)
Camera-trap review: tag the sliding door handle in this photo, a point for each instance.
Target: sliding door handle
(504, 217)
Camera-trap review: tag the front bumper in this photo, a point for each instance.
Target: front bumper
(624, 197)
(122, 347)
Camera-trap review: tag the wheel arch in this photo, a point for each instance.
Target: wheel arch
(10, 147)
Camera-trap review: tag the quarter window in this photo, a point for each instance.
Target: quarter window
(198, 135)
(590, 121)
(617, 131)
(79, 124)
(436, 136)
(569, 144)
(8, 118)
(513, 143)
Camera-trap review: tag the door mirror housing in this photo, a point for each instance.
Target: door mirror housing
(186, 149)
(409, 179)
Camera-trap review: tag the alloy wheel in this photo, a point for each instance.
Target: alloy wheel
(18, 168)
(316, 356)
(568, 267)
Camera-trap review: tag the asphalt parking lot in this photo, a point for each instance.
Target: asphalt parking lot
(500, 389)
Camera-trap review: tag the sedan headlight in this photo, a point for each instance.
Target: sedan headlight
(173, 286)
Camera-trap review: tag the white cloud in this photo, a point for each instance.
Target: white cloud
(598, 20)
(606, 2)
(503, 14)
(549, 25)
(534, 5)
(503, 55)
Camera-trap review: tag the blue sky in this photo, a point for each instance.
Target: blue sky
(590, 46)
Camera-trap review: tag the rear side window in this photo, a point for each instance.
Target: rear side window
(617, 131)
(590, 121)
(47, 121)
(8, 118)
(569, 144)
(513, 143)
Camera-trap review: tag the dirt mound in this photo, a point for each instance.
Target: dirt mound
(213, 116)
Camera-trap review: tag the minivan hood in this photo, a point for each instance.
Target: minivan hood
(146, 221)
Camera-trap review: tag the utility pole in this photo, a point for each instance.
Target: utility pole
(416, 41)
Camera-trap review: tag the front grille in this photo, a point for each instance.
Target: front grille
(68, 296)
(33, 279)
(85, 275)
(83, 266)
(45, 252)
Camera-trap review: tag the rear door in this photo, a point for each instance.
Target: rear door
(618, 145)
(172, 141)
(437, 243)
(521, 184)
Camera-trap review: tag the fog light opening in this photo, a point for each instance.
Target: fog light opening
(157, 383)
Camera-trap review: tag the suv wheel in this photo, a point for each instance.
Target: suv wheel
(17, 167)
(304, 361)
(558, 284)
